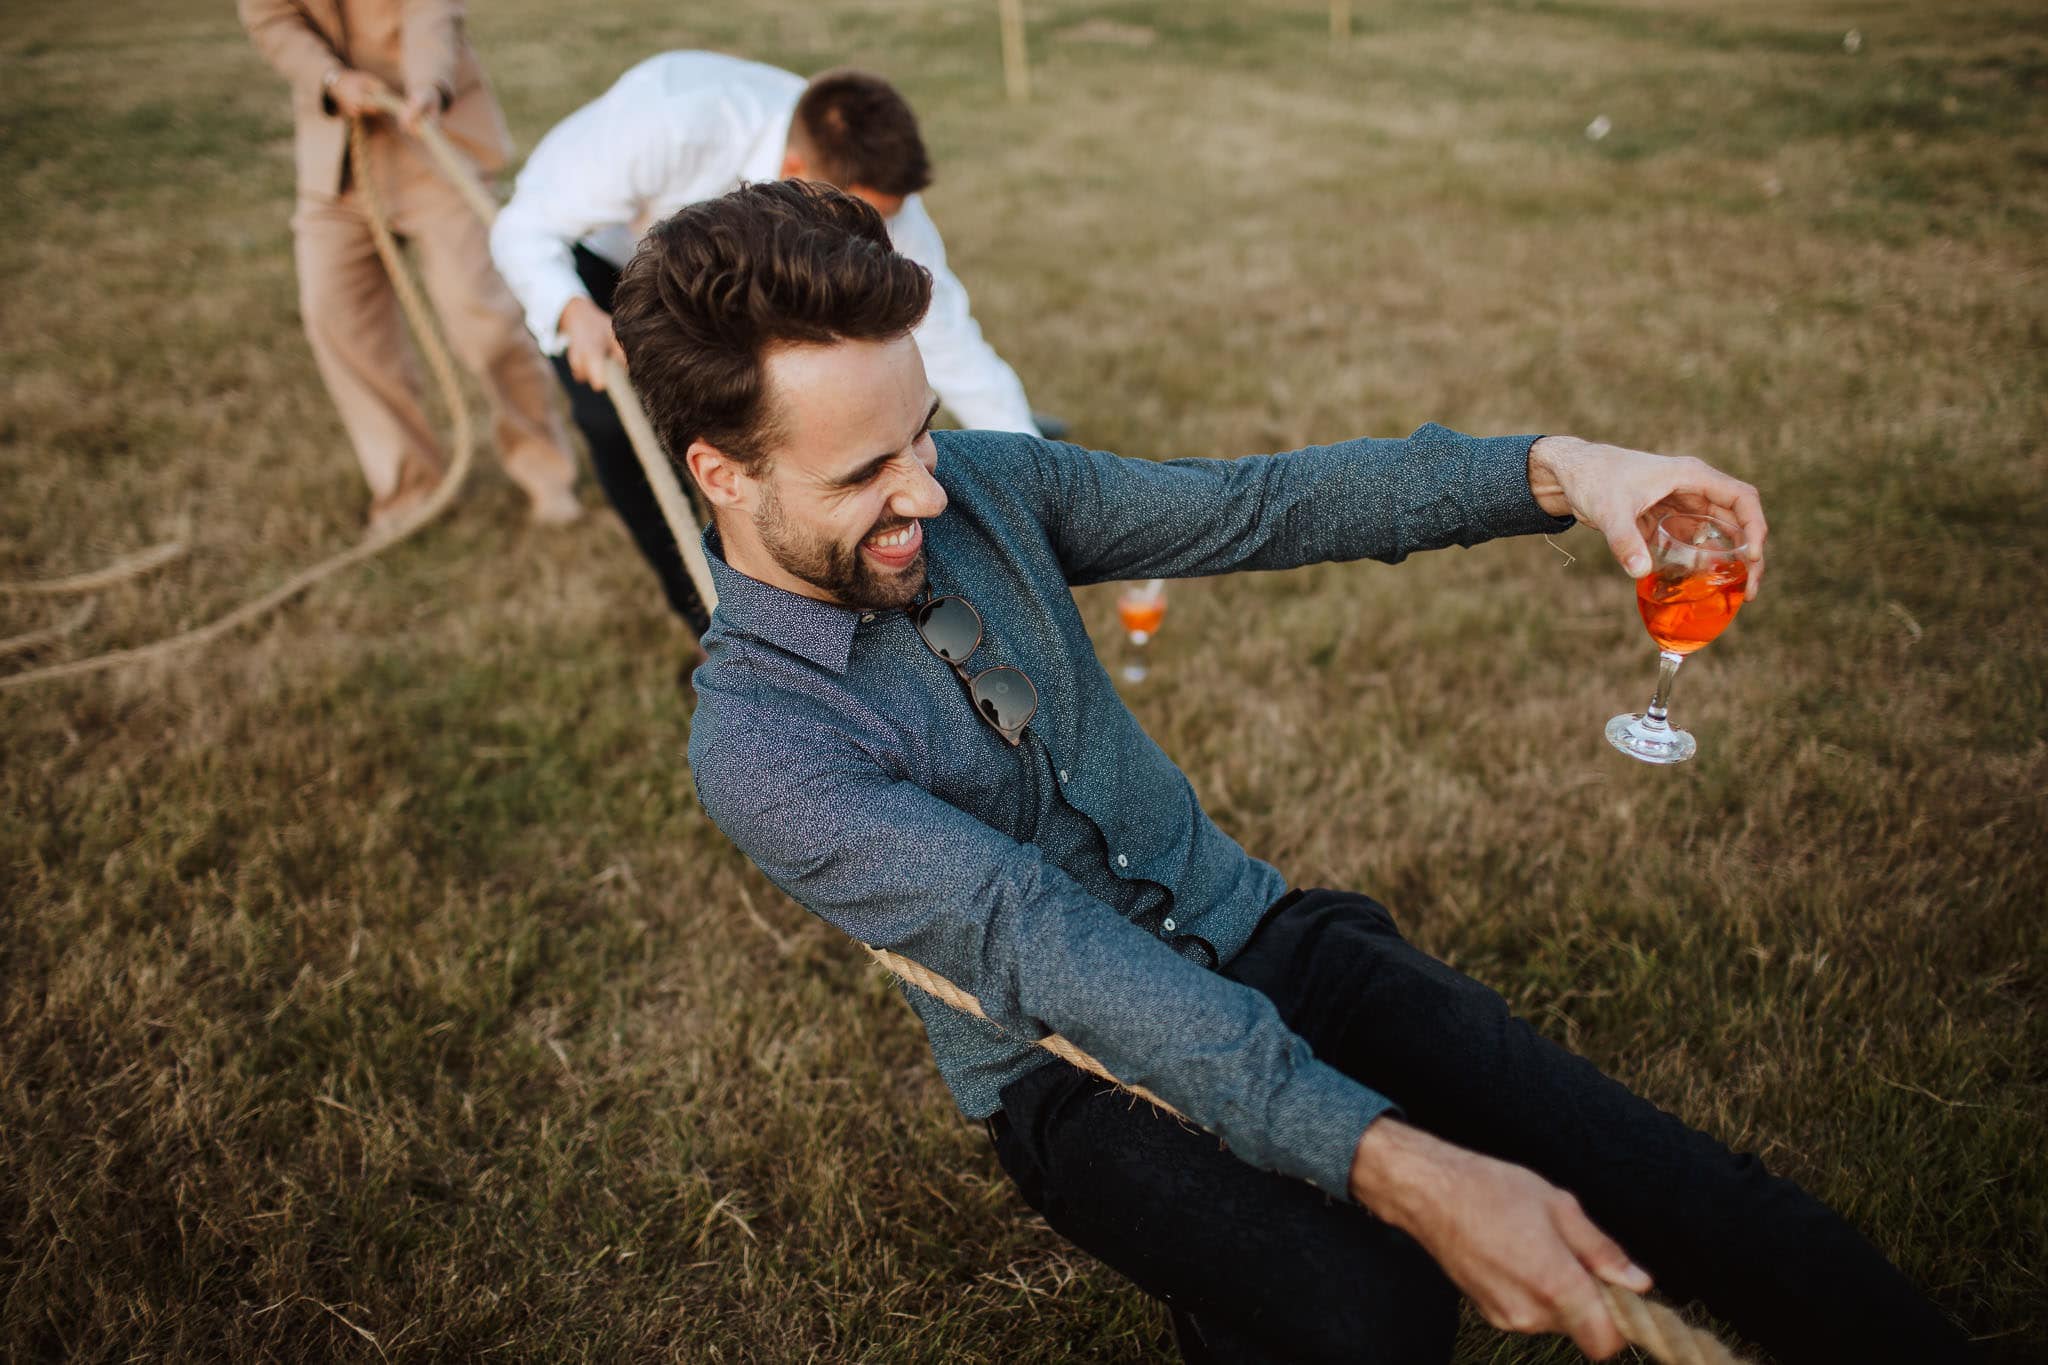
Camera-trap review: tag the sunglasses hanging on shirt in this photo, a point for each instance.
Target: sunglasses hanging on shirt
(951, 628)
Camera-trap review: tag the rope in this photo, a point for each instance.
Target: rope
(1657, 1329)
(36, 639)
(945, 992)
(120, 571)
(420, 317)
(654, 464)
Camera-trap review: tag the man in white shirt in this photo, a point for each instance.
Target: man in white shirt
(684, 127)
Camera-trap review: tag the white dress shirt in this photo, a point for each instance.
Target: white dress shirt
(676, 130)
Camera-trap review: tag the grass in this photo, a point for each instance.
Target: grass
(371, 986)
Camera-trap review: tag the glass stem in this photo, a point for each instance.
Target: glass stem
(1658, 717)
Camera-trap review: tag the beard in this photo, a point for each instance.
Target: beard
(836, 568)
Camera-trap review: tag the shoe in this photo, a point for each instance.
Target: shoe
(1049, 426)
(559, 508)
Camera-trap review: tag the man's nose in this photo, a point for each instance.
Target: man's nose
(917, 494)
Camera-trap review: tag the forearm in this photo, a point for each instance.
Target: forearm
(1394, 1172)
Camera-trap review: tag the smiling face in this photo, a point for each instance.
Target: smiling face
(836, 507)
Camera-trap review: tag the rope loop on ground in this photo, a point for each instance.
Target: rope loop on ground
(660, 473)
(421, 319)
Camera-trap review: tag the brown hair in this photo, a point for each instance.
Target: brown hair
(855, 129)
(715, 286)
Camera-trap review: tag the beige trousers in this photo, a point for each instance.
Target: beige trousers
(357, 329)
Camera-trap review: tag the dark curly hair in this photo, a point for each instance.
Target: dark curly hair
(856, 130)
(714, 287)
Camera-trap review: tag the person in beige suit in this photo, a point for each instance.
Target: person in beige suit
(339, 56)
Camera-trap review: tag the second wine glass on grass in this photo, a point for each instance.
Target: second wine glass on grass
(1698, 575)
(1140, 608)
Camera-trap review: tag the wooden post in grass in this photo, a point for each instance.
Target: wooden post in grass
(1340, 22)
(1016, 61)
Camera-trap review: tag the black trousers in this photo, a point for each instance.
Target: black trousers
(618, 468)
(1260, 1267)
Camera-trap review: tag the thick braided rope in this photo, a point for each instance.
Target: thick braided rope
(421, 318)
(1646, 1323)
(1657, 1329)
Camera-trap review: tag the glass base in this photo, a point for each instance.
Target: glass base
(1652, 742)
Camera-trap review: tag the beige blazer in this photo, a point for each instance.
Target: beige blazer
(411, 44)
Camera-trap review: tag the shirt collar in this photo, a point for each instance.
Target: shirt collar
(818, 631)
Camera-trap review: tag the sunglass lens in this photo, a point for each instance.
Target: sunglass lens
(951, 627)
(1006, 697)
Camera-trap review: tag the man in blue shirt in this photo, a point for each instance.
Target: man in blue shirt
(903, 722)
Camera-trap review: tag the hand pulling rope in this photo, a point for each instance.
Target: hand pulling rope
(1655, 1327)
(660, 476)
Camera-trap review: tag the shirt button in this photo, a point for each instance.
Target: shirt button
(867, 617)
(1063, 774)
(1122, 861)
(1169, 926)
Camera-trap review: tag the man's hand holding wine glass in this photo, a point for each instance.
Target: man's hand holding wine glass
(1621, 493)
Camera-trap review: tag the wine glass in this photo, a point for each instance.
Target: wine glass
(1697, 577)
(1141, 609)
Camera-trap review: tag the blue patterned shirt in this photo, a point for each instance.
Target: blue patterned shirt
(1072, 884)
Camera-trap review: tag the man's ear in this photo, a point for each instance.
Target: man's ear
(719, 477)
(794, 167)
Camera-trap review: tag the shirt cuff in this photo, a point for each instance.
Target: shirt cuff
(1315, 1123)
(1501, 501)
(544, 318)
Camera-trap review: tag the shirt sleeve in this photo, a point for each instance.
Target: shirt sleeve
(430, 41)
(599, 167)
(1111, 517)
(976, 385)
(897, 867)
(289, 42)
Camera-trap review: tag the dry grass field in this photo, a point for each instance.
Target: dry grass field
(372, 988)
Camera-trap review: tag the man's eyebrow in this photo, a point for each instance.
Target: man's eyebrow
(861, 473)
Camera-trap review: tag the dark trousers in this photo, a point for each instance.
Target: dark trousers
(1260, 1267)
(618, 467)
